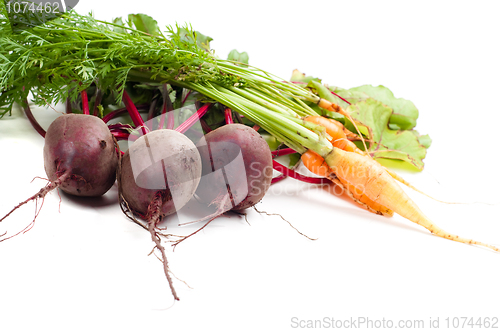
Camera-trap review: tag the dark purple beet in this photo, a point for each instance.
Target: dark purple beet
(82, 146)
(236, 161)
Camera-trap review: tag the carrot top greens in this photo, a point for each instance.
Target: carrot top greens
(61, 58)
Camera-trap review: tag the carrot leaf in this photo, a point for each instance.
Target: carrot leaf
(384, 142)
(240, 57)
(404, 113)
(144, 23)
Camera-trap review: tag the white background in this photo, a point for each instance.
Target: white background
(85, 267)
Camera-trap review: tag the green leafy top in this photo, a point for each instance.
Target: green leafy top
(404, 113)
(386, 121)
(69, 54)
(240, 57)
(60, 58)
(144, 23)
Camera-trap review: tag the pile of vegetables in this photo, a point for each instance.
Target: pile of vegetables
(161, 86)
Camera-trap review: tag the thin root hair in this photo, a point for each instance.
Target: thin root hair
(289, 223)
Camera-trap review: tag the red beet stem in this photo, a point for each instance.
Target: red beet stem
(120, 127)
(120, 136)
(111, 115)
(333, 93)
(31, 118)
(134, 113)
(167, 110)
(186, 97)
(152, 109)
(228, 115)
(291, 173)
(85, 102)
(97, 102)
(68, 106)
(282, 152)
(193, 118)
(206, 128)
(170, 120)
(278, 178)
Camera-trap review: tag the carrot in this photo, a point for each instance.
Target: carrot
(318, 166)
(339, 140)
(336, 130)
(376, 183)
(329, 106)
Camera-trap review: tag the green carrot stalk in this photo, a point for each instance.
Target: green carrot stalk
(50, 59)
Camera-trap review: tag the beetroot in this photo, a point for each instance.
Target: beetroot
(80, 158)
(159, 174)
(82, 147)
(237, 168)
(237, 171)
(163, 162)
(237, 162)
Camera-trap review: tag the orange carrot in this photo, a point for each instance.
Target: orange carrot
(329, 106)
(333, 128)
(339, 140)
(336, 130)
(318, 166)
(376, 183)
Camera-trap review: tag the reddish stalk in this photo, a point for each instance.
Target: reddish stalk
(126, 128)
(152, 109)
(68, 106)
(206, 128)
(170, 120)
(333, 93)
(256, 127)
(228, 115)
(278, 178)
(114, 114)
(186, 97)
(97, 102)
(193, 118)
(282, 152)
(111, 115)
(120, 136)
(85, 103)
(167, 110)
(134, 113)
(291, 173)
(31, 118)
(163, 115)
